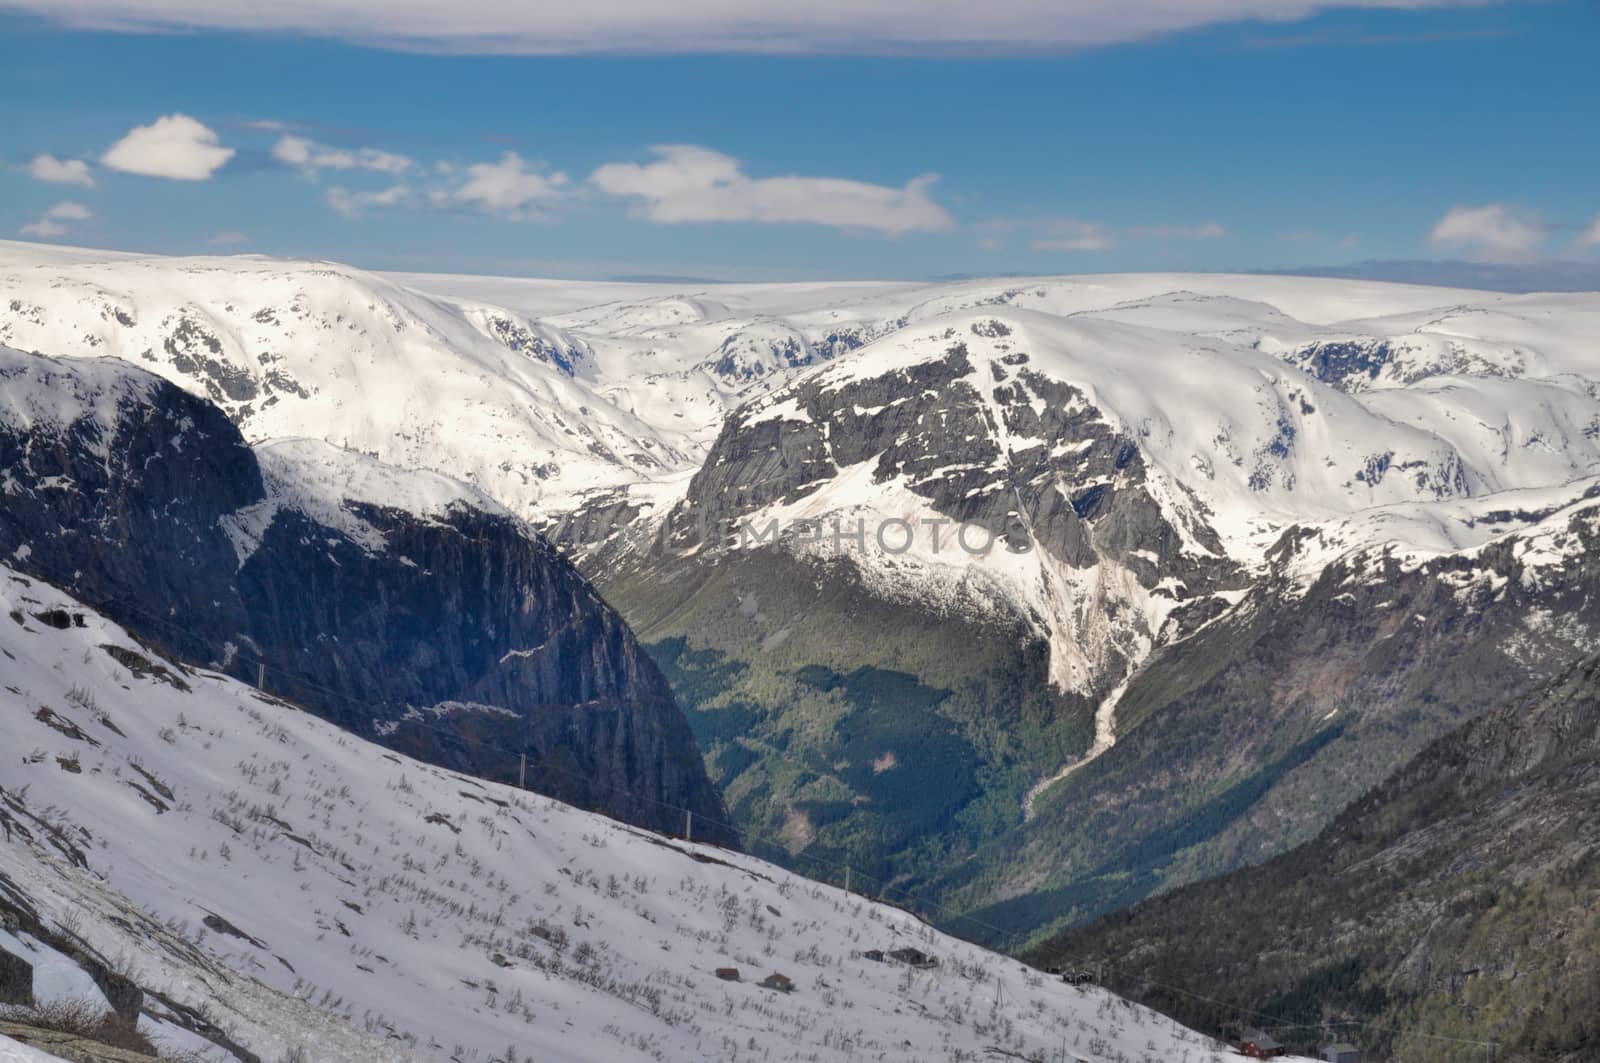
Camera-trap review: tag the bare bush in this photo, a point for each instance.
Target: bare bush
(81, 1018)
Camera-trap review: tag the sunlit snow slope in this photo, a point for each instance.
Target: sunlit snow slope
(241, 855)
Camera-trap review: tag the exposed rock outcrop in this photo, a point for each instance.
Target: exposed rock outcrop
(404, 607)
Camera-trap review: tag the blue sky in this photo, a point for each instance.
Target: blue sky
(1449, 131)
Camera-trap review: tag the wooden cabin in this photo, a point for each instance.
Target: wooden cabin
(1258, 1044)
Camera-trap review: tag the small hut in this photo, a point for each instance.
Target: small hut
(1258, 1044)
(1342, 1052)
(780, 982)
(728, 974)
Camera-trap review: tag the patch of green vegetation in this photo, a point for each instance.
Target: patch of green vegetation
(1453, 908)
(847, 728)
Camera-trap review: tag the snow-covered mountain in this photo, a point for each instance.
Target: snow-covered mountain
(272, 884)
(1183, 476)
(1149, 461)
(292, 349)
(535, 410)
(402, 605)
(1250, 422)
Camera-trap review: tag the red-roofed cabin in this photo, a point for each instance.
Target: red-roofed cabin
(1258, 1044)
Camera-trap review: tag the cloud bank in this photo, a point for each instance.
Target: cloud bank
(353, 204)
(311, 156)
(694, 184)
(765, 26)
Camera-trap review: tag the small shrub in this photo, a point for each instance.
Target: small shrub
(83, 1019)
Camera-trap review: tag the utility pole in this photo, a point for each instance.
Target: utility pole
(261, 676)
(688, 826)
(847, 878)
(522, 772)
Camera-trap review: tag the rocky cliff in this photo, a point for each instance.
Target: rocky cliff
(1453, 908)
(403, 606)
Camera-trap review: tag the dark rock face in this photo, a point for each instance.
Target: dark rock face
(1345, 364)
(1355, 364)
(524, 341)
(1458, 898)
(126, 504)
(1236, 740)
(1071, 484)
(16, 980)
(937, 719)
(121, 992)
(1270, 721)
(464, 640)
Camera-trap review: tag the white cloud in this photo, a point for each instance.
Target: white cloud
(174, 146)
(692, 184)
(1490, 233)
(768, 26)
(227, 238)
(311, 156)
(507, 186)
(351, 204)
(53, 223)
(56, 171)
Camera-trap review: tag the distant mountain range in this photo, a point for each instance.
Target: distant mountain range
(1254, 541)
(1552, 276)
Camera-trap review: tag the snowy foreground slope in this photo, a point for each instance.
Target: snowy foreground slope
(245, 859)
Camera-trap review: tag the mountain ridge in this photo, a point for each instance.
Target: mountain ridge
(399, 605)
(1449, 907)
(1288, 448)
